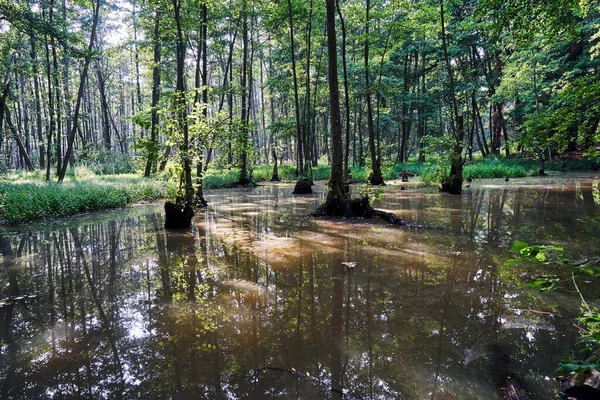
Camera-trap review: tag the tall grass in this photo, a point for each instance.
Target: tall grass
(25, 196)
(28, 198)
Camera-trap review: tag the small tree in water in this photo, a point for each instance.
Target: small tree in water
(339, 203)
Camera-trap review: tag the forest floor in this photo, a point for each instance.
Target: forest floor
(27, 196)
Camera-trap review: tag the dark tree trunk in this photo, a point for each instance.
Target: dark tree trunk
(83, 77)
(244, 178)
(300, 141)
(453, 183)
(153, 150)
(200, 200)
(346, 94)
(104, 108)
(376, 177)
(38, 104)
(181, 107)
(275, 176)
(22, 149)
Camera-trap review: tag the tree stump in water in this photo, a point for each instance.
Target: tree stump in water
(404, 175)
(178, 215)
(376, 180)
(354, 208)
(303, 186)
(452, 186)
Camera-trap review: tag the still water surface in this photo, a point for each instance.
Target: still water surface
(259, 301)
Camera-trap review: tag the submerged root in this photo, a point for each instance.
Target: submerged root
(355, 208)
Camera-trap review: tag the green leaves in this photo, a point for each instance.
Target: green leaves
(590, 318)
(568, 367)
(538, 253)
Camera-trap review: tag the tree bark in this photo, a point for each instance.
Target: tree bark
(376, 177)
(300, 144)
(336, 188)
(153, 150)
(86, 64)
(20, 145)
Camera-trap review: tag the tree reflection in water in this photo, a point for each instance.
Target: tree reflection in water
(258, 301)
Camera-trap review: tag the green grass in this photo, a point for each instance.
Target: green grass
(26, 197)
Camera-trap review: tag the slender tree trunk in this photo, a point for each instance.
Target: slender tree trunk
(153, 150)
(346, 94)
(244, 179)
(307, 109)
(38, 103)
(22, 149)
(421, 113)
(66, 83)
(376, 178)
(137, 64)
(51, 116)
(540, 154)
(106, 134)
(336, 179)
(453, 183)
(300, 144)
(200, 201)
(83, 77)
(181, 106)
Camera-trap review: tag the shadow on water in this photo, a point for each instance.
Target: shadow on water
(259, 301)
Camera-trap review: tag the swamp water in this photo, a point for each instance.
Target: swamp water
(259, 301)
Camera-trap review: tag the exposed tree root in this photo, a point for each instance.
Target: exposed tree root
(355, 208)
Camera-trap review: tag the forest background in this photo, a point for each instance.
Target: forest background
(195, 94)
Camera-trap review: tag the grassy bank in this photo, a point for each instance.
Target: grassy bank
(27, 197)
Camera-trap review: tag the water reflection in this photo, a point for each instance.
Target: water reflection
(258, 301)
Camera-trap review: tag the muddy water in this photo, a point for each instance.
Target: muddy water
(259, 301)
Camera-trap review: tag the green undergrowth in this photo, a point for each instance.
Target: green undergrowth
(27, 197)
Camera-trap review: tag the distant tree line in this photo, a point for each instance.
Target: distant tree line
(243, 82)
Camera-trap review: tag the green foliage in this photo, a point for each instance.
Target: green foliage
(494, 168)
(100, 162)
(372, 193)
(435, 173)
(553, 255)
(31, 199)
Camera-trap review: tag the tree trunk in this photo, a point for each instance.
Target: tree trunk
(86, 64)
(300, 144)
(181, 106)
(453, 183)
(346, 93)
(376, 178)
(200, 200)
(22, 148)
(153, 150)
(103, 108)
(244, 179)
(38, 103)
(336, 179)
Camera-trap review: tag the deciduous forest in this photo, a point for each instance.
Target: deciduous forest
(469, 128)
